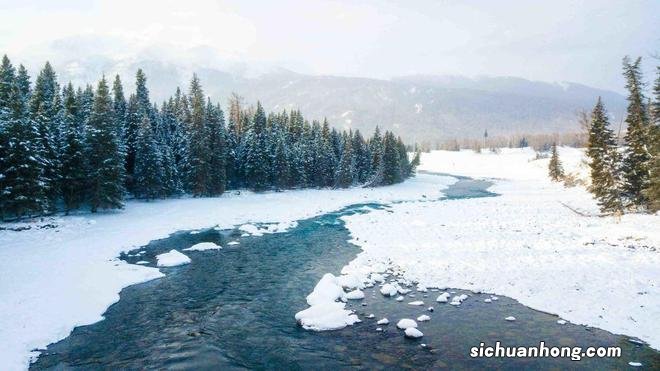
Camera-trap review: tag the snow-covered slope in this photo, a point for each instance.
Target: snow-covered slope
(54, 279)
(526, 244)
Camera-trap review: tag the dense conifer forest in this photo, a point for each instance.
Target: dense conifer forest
(64, 148)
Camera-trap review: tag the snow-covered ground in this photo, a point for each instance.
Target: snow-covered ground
(526, 244)
(53, 279)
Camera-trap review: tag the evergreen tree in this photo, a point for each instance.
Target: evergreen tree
(106, 170)
(45, 112)
(391, 161)
(346, 169)
(555, 169)
(376, 151)
(637, 156)
(73, 154)
(21, 177)
(199, 151)
(362, 158)
(652, 189)
(256, 162)
(604, 162)
(148, 163)
(217, 149)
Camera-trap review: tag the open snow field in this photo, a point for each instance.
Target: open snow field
(54, 279)
(525, 244)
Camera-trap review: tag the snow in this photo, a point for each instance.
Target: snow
(635, 364)
(383, 321)
(233, 243)
(416, 303)
(203, 246)
(355, 295)
(406, 323)
(510, 318)
(443, 298)
(561, 322)
(325, 311)
(388, 289)
(525, 243)
(413, 333)
(52, 280)
(423, 318)
(172, 258)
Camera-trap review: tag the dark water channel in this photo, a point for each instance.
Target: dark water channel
(234, 309)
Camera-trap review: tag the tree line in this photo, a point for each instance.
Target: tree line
(66, 148)
(625, 176)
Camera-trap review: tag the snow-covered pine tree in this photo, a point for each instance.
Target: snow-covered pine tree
(636, 157)
(404, 162)
(362, 158)
(652, 190)
(171, 146)
(22, 185)
(217, 150)
(148, 163)
(45, 112)
(256, 162)
(604, 162)
(391, 160)
(199, 150)
(234, 137)
(280, 157)
(106, 170)
(376, 151)
(345, 174)
(555, 169)
(73, 185)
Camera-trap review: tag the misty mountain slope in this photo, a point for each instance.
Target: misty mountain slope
(419, 108)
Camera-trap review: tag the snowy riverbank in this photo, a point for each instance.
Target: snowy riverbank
(525, 244)
(54, 279)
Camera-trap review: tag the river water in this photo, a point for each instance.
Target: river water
(234, 309)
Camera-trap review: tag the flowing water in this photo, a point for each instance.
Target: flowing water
(234, 309)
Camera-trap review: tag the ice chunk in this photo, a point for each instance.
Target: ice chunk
(399, 298)
(423, 318)
(172, 259)
(561, 322)
(413, 333)
(510, 318)
(383, 321)
(405, 323)
(416, 303)
(325, 312)
(203, 246)
(355, 295)
(635, 364)
(388, 289)
(232, 243)
(442, 298)
(142, 262)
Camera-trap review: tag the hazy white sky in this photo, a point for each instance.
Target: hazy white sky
(581, 41)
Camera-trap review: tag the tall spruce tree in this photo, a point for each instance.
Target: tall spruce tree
(638, 139)
(106, 170)
(604, 162)
(256, 162)
(652, 189)
(23, 186)
(555, 168)
(345, 174)
(391, 161)
(74, 175)
(198, 151)
(217, 149)
(376, 150)
(148, 163)
(45, 112)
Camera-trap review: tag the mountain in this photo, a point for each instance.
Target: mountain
(418, 107)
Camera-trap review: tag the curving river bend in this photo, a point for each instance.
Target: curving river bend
(234, 309)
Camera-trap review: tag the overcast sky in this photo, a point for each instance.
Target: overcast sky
(580, 41)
